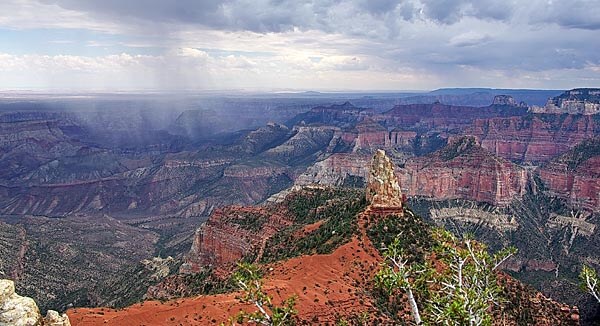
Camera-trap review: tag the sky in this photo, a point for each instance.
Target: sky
(126, 45)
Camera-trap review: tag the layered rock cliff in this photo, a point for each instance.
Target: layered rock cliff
(16, 310)
(443, 117)
(576, 101)
(575, 175)
(463, 170)
(336, 170)
(230, 234)
(534, 137)
(343, 115)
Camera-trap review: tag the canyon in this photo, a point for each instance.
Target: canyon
(329, 286)
(504, 172)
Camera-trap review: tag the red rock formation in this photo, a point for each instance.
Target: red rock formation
(329, 288)
(231, 233)
(366, 134)
(399, 138)
(369, 134)
(575, 176)
(463, 170)
(535, 137)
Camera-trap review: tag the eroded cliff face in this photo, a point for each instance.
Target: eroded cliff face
(230, 234)
(575, 175)
(535, 137)
(443, 117)
(334, 170)
(463, 170)
(16, 310)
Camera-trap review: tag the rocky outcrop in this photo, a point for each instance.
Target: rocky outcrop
(534, 137)
(504, 100)
(495, 220)
(463, 169)
(335, 170)
(370, 135)
(16, 310)
(400, 139)
(576, 101)
(263, 138)
(53, 318)
(383, 190)
(575, 175)
(230, 234)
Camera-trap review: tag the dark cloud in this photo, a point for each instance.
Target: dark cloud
(438, 37)
(284, 15)
(452, 11)
(152, 10)
(378, 6)
(443, 11)
(577, 14)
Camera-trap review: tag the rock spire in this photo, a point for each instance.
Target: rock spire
(383, 190)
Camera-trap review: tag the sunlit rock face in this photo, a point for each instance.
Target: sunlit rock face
(575, 175)
(16, 310)
(383, 190)
(464, 170)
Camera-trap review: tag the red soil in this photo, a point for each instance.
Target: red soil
(327, 286)
(312, 227)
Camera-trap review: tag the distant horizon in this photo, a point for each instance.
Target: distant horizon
(272, 91)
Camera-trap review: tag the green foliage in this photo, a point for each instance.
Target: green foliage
(305, 205)
(415, 240)
(252, 221)
(589, 282)
(459, 290)
(396, 274)
(411, 236)
(338, 210)
(362, 318)
(205, 283)
(468, 284)
(249, 279)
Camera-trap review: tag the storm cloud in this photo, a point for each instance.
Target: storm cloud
(329, 44)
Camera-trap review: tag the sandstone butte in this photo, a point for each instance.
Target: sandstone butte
(328, 286)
